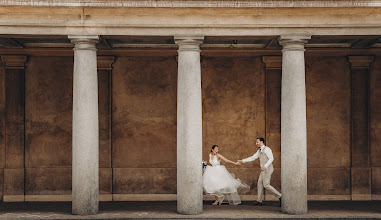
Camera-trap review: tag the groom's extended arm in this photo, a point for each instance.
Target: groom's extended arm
(252, 158)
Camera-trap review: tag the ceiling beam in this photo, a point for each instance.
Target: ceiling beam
(9, 43)
(366, 42)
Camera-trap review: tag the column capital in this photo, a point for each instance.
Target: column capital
(293, 42)
(272, 62)
(105, 62)
(360, 62)
(189, 43)
(84, 42)
(14, 62)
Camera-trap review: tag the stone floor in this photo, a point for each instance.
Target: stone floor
(167, 210)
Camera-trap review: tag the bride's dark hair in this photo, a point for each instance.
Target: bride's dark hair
(214, 146)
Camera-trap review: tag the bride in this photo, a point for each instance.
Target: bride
(219, 182)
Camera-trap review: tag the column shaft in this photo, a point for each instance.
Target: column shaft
(189, 127)
(85, 170)
(293, 126)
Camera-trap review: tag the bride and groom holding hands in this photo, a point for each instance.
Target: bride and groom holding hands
(219, 182)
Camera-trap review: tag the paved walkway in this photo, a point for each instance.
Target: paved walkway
(167, 210)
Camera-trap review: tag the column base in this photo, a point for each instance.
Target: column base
(191, 211)
(84, 210)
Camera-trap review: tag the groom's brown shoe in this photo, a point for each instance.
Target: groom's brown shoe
(257, 203)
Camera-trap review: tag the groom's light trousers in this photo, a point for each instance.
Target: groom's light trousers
(264, 183)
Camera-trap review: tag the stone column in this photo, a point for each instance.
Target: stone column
(85, 167)
(360, 163)
(293, 125)
(189, 127)
(14, 128)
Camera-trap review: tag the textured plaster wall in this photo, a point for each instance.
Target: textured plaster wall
(144, 125)
(48, 122)
(2, 127)
(375, 125)
(234, 110)
(328, 125)
(141, 157)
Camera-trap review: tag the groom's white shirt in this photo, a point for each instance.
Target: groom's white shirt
(265, 150)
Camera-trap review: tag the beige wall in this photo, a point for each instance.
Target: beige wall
(221, 18)
(138, 141)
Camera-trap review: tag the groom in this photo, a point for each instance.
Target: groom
(266, 158)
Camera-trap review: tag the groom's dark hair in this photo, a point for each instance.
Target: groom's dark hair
(261, 139)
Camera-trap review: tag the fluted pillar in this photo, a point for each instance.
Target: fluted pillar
(293, 125)
(85, 167)
(189, 126)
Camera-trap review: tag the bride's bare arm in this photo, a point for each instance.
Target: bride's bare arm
(226, 160)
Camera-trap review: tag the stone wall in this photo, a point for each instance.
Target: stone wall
(137, 106)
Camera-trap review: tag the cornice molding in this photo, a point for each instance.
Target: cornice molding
(272, 62)
(360, 62)
(105, 62)
(220, 52)
(14, 61)
(196, 3)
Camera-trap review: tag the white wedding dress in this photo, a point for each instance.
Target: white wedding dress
(218, 181)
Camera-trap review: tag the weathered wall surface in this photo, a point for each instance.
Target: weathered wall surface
(48, 122)
(144, 125)
(233, 110)
(138, 148)
(375, 125)
(328, 125)
(2, 127)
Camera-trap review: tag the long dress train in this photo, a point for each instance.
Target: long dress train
(219, 182)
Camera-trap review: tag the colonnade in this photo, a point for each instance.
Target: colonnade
(85, 187)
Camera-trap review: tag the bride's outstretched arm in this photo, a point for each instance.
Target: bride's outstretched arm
(226, 160)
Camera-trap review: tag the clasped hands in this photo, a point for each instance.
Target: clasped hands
(239, 162)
